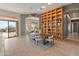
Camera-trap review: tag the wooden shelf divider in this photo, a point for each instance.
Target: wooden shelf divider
(52, 23)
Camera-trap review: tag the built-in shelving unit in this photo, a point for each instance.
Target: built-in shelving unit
(52, 23)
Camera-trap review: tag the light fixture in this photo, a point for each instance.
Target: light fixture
(43, 7)
(31, 12)
(49, 3)
(38, 9)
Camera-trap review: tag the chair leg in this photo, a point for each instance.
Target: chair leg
(51, 43)
(37, 43)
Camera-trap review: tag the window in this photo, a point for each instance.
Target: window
(4, 29)
(8, 28)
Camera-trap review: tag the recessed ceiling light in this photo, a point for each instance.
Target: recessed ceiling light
(49, 3)
(38, 9)
(43, 7)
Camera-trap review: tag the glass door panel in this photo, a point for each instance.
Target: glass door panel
(12, 28)
(3, 29)
(74, 28)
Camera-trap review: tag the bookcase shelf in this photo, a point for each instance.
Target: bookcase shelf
(52, 23)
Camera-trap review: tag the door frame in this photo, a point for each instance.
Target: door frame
(72, 28)
(8, 27)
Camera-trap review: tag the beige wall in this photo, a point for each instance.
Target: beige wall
(8, 13)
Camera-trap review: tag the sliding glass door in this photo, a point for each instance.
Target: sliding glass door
(4, 29)
(12, 29)
(8, 29)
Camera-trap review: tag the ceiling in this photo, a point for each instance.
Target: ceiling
(28, 8)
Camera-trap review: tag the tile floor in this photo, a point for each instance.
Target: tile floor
(23, 46)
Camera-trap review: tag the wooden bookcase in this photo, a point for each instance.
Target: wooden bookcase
(51, 23)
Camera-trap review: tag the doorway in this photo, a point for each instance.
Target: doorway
(8, 29)
(75, 27)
